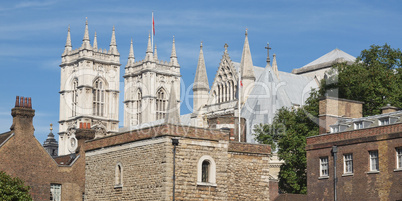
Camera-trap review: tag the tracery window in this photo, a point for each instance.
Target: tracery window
(160, 104)
(74, 98)
(225, 85)
(98, 98)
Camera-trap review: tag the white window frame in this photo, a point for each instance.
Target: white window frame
(358, 125)
(374, 161)
(211, 171)
(55, 190)
(335, 129)
(399, 158)
(348, 163)
(324, 167)
(384, 121)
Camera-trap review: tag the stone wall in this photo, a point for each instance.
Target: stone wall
(147, 163)
(144, 169)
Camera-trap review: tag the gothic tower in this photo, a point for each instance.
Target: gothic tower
(147, 86)
(89, 89)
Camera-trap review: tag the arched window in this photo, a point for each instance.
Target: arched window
(98, 98)
(119, 175)
(206, 171)
(74, 98)
(139, 106)
(160, 104)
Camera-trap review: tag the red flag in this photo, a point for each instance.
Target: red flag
(241, 83)
(153, 23)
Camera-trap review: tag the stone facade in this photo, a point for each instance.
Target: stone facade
(89, 88)
(239, 170)
(21, 155)
(361, 178)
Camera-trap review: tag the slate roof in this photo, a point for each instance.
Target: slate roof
(65, 159)
(271, 93)
(327, 60)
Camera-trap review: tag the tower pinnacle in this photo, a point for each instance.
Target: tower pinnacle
(131, 57)
(149, 54)
(85, 40)
(68, 46)
(173, 56)
(95, 46)
(113, 46)
(172, 112)
(201, 78)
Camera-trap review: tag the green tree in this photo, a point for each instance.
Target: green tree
(289, 131)
(375, 79)
(13, 189)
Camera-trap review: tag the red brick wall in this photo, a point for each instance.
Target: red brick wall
(385, 185)
(24, 157)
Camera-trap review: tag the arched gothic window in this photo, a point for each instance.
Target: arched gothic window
(139, 106)
(98, 93)
(119, 175)
(74, 98)
(160, 104)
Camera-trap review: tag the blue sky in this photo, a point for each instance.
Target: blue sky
(33, 35)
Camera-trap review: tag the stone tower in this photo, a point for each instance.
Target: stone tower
(148, 84)
(89, 89)
(50, 144)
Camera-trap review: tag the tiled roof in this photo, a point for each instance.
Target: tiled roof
(65, 159)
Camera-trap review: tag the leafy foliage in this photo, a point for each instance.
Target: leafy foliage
(13, 189)
(375, 78)
(289, 131)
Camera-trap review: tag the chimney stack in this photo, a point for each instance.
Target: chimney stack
(332, 109)
(388, 109)
(23, 115)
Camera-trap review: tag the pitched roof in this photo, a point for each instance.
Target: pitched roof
(5, 136)
(327, 60)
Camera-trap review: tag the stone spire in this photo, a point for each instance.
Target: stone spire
(201, 78)
(275, 66)
(113, 46)
(85, 42)
(173, 57)
(148, 53)
(155, 54)
(246, 64)
(95, 46)
(68, 46)
(172, 111)
(131, 58)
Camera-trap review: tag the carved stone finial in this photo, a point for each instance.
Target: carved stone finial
(268, 48)
(51, 127)
(226, 48)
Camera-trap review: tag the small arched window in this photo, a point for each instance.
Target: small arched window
(74, 98)
(98, 98)
(119, 175)
(206, 174)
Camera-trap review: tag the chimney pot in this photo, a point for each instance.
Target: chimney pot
(26, 102)
(22, 101)
(17, 101)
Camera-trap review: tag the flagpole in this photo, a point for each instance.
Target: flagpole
(239, 101)
(152, 43)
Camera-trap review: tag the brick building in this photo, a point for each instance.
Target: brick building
(21, 155)
(355, 157)
(139, 165)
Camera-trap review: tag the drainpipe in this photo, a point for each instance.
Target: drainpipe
(175, 142)
(334, 151)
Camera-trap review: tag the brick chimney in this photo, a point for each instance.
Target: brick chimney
(388, 109)
(23, 115)
(331, 109)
